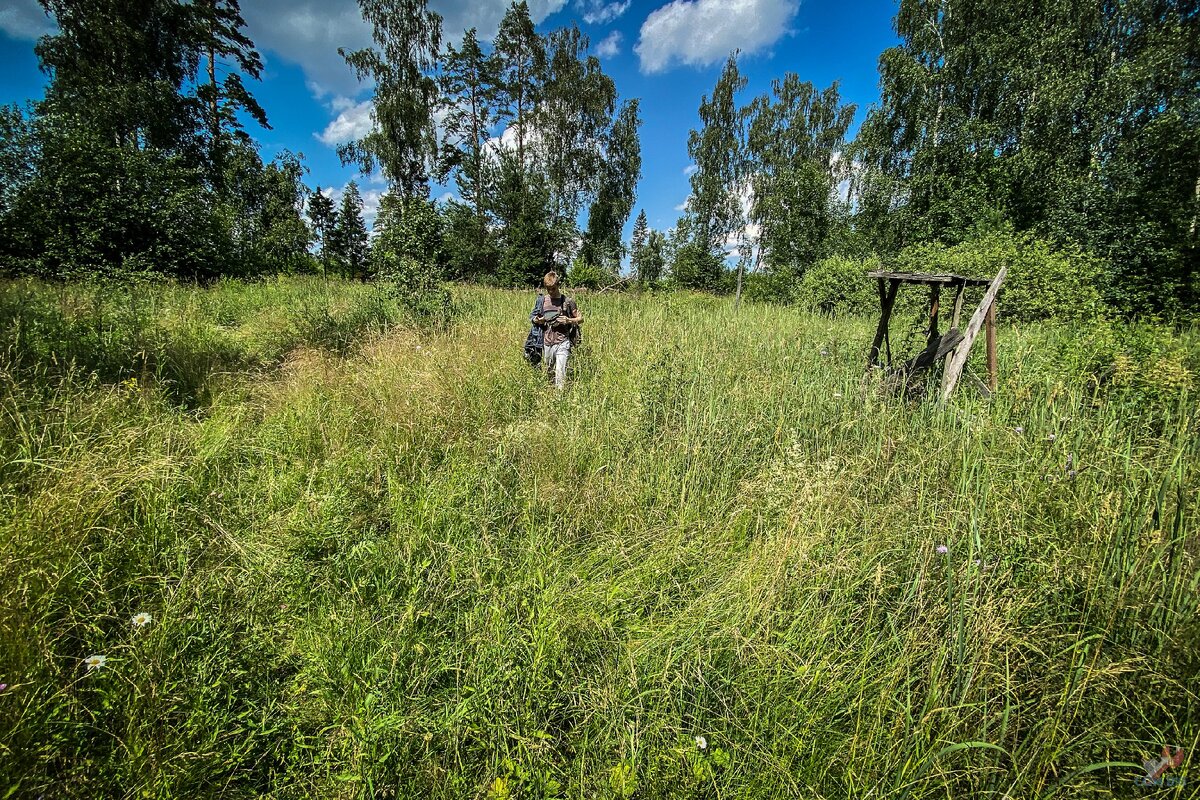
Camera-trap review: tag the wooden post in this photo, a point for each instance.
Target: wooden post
(990, 327)
(935, 294)
(958, 359)
(887, 298)
(958, 303)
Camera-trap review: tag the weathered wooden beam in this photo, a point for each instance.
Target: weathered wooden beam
(935, 295)
(937, 349)
(958, 304)
(887, 299)
(958, 359)
(927, 277)
(980, 385)
(990, 340)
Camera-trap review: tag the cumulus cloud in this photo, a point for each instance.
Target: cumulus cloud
(610, 45)
(598, 12)
(308, 33)
(690, 170)
(353, 121)
(697, 33)
(24, 19)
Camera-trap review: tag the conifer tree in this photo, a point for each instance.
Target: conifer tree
(323, 216)
(349, 236)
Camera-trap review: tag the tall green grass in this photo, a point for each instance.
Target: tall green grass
(398, 564)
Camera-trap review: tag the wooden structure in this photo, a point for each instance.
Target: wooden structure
(954, 344)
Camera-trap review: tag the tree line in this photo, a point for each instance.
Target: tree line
(1073, 125)
(137, 160)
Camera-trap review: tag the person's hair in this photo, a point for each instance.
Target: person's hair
(546, 278)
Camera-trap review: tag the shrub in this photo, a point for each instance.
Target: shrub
(839, 285)
(1043, 282)
(415, 285)
(584, 275)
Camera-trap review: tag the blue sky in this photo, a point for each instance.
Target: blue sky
(667, 54)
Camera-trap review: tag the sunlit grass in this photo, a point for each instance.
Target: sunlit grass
(382, 563)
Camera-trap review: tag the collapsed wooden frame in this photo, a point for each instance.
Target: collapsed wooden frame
(954, 344)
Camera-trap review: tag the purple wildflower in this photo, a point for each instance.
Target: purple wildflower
(941, 548)
(1019, 429)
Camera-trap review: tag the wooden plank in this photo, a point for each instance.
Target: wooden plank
(937, 349)
(887, 298)
(935, 295)
(980, 385)
(958, 304)
(928, 277)
(990, 339)
(958, 359)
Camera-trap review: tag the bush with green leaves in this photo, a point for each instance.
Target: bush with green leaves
(407, 258)
(585, 275)
(839, 285)
(1043, 281)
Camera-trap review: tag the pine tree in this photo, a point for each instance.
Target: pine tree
(349, 237)
(324, 219)
(637, 246)
(218, 25)
(470, 92)
(521, 54)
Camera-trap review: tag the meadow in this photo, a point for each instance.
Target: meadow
(384, 559)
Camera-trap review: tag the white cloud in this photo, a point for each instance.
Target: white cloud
(309, 32)
(598, 12)
(354, 121)
(701, 32)
(610, 46)
(24, 19)
(683, 206)
(690, 170)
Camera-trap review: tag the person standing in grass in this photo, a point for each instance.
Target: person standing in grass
(559, 317)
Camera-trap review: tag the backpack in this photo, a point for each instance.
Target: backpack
(536, 337)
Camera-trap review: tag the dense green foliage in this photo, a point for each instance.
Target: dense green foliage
(1042, 282)
(1063, 141)
(133, 163)
(402, 140)
(1078, 121)
(366, 578)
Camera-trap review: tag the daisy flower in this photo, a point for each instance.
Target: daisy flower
(94, 662)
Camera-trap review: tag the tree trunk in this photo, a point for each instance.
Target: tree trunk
(1196, 202)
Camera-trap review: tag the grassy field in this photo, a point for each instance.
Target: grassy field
(381, 562)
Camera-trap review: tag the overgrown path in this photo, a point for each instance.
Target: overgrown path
(410, 567)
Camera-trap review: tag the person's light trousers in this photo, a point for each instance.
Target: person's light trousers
(555, 357)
